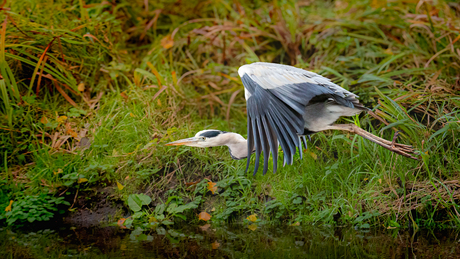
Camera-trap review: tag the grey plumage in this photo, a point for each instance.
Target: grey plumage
(283, 102)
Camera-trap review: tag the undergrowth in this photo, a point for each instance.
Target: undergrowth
(91, 93)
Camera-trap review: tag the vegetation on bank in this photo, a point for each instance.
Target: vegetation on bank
(91, 91)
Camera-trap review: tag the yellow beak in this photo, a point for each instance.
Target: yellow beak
(186, 142)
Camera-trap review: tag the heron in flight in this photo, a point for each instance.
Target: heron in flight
(285, 104)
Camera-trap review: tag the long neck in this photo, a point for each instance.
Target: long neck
(237, 145)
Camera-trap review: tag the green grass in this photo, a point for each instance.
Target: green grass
(125, 93)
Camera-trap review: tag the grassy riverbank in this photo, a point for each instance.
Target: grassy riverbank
(91, 93)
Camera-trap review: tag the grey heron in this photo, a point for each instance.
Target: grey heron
(285, 104)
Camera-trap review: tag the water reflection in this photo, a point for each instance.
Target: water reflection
(236, 241)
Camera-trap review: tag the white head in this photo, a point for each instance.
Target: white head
(206, 138)
(214, 138)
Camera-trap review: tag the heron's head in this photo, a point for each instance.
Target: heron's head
(204, 138)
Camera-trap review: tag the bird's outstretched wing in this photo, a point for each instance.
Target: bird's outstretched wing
(276, 97)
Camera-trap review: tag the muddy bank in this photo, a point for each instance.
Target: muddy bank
(95, 208)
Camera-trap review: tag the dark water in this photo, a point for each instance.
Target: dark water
(236, 241)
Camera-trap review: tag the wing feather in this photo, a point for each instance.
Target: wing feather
(250, 142)
(271, 142)
(276, 97)
(272, 137)
(265, 145)
(283, 138)
(257, 144)
(304, 142)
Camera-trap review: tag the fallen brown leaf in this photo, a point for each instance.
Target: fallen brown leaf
(252, 218)
(8, 208)
(122, 94)
(215, 245)
(120, 186)
(192, 183)
(167, 42)
(81, 87)
(44, 120)
(121, 223)
(204, 216)
(205, 227)
(212, 187)
(72, 133)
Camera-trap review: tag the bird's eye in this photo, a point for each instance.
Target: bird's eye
(202, 138)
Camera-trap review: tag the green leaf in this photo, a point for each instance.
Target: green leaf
(161, 231)
(393, 223)
(146, 200)
(188, 206)
(134, 202)
(167, 222)
(365, 225)
(159, 209)
(172, 208)
(142, 237)
(297, 200)
(138, 215)
(180, 216)
(52, 124)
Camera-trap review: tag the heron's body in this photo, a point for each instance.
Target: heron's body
(319, 116)
(284, 104)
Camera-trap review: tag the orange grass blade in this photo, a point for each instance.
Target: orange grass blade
(40, 77)
(39, 63)
(155, 72)
(64, 94)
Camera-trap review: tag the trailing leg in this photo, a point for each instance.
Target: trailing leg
(400, 149)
